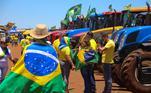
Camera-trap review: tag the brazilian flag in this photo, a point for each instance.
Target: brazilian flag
(37, 71)
(73, 12)
(81, 59)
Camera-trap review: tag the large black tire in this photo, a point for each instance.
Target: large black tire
(128, 72)
(116, 75)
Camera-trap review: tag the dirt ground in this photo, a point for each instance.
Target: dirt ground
(76, 82)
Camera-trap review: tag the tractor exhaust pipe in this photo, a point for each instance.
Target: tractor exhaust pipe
(114, 20)
(148, 7)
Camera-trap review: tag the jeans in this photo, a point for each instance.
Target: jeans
(108, 78)
(89, 80)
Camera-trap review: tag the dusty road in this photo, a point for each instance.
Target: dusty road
(77, 86)
(76, 81)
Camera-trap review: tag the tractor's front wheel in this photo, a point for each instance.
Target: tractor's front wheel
(136, 71)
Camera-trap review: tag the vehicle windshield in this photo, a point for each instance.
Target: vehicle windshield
(131, 19)
(104, 21)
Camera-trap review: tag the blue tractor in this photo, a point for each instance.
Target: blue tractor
(133, 53)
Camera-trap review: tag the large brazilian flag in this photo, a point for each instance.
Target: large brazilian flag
(37, 71)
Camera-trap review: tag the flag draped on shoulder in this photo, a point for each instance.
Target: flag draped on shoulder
(83, 57)
(37, 71)
(64, 42)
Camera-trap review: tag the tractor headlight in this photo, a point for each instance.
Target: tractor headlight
(121, 44)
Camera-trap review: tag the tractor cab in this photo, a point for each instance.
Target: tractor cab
(104, 22)
(133, 51)
(132, 18)
(136, 17)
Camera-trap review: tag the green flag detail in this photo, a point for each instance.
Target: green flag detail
(73, 12)
(88, 12)
(127, 7)
(91, 11)
(110, 8)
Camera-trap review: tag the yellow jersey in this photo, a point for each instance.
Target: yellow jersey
(24, 42)
(93, 44)
(56, 44)
(63, 52)
(107, 54)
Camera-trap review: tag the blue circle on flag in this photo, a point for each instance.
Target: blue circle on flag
(39, 64)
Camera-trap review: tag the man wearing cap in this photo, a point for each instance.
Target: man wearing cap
(107, 60)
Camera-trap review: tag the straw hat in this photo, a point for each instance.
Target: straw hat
(41, 31)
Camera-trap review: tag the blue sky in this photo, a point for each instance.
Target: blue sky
(28, 13)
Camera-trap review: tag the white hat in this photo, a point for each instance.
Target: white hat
(41, 31)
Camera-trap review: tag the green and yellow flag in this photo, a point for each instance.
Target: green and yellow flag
(74, 11)
(80, 59)
(37, 71)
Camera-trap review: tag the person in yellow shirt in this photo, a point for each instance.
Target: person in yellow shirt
(93, 44)
(65, 59)
(107, 60)
(29, 38)
(88, 70)
(56, 44)
(24, 42)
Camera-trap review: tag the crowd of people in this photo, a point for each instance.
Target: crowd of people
(61, 50)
